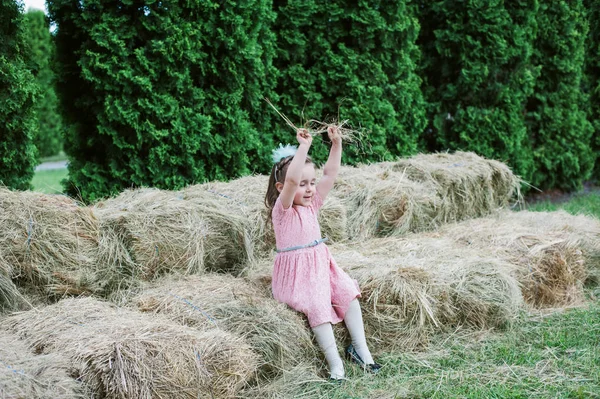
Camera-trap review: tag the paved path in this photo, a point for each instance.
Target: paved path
(52, 165)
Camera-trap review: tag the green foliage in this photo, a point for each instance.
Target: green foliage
(157, 93)
(593, 76)
(48, 140)
(559, 130)
(360, 52)
(18, 92)
(478, 75)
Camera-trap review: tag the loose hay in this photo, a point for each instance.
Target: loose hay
(555, 252)
(49, 242)
(125, 354)
(224, 303)
(24, 375)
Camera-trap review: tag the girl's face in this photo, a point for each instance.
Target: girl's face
(307, 187)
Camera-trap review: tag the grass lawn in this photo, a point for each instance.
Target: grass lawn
(48, 181)
(541, 356)
(587, 204)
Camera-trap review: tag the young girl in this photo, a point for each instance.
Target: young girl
(305, 275)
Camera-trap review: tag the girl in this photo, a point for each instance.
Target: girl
(305, 275)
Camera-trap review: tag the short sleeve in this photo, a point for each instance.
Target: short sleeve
(278, 209)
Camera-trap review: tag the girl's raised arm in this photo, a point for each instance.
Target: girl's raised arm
(332, 166)
(294, 172)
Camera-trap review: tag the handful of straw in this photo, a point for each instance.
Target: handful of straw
(316, 127)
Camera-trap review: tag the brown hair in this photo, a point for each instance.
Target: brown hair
(278, 173)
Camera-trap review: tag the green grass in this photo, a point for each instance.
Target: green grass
(48, 181)
(587, 204)
(556, 356)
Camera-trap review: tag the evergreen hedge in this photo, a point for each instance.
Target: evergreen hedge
(18, 92)
(478, 75)
(593, 77)
(158, 93)
(560, 132)
(360, 55)
(48, 139)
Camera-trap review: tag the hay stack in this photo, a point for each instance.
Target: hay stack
(49, 242)
(381, 202)
(225, 303)
(24, 375)
(244, 198)
(146, 233)
(125, 354)
(474, 185)
(422, 193)
(555, 252)
(415, 285)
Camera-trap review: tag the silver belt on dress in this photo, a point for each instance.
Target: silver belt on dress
(311, 244)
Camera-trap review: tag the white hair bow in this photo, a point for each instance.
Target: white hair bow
(283, 152)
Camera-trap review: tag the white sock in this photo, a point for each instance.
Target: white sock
(326, 340)
(356, 328)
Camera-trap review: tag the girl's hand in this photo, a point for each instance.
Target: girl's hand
(304, 137)
(334, 135)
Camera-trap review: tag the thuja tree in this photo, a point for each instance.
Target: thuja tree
(592, 85)
(477, 71)
(48, 139)
(156, 93)
(354, 61)
(17, 97)
(559, 130)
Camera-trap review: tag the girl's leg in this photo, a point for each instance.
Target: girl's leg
(326, 340)
(354, 323)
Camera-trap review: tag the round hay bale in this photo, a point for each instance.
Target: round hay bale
(121, 353)
(50, 243)
(553, 252)
(26, 375)
(220, 302)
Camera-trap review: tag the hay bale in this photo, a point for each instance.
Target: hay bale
(414, 286)
(146, 233)
(381, 202)
(554, 252)
(422, 193)
(431, 283)
(125, 354)
(475, 185)
(25, 375)
(50, 243)
(244, 198)
(277, 334)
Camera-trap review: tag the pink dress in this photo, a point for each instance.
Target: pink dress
(308, 279)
